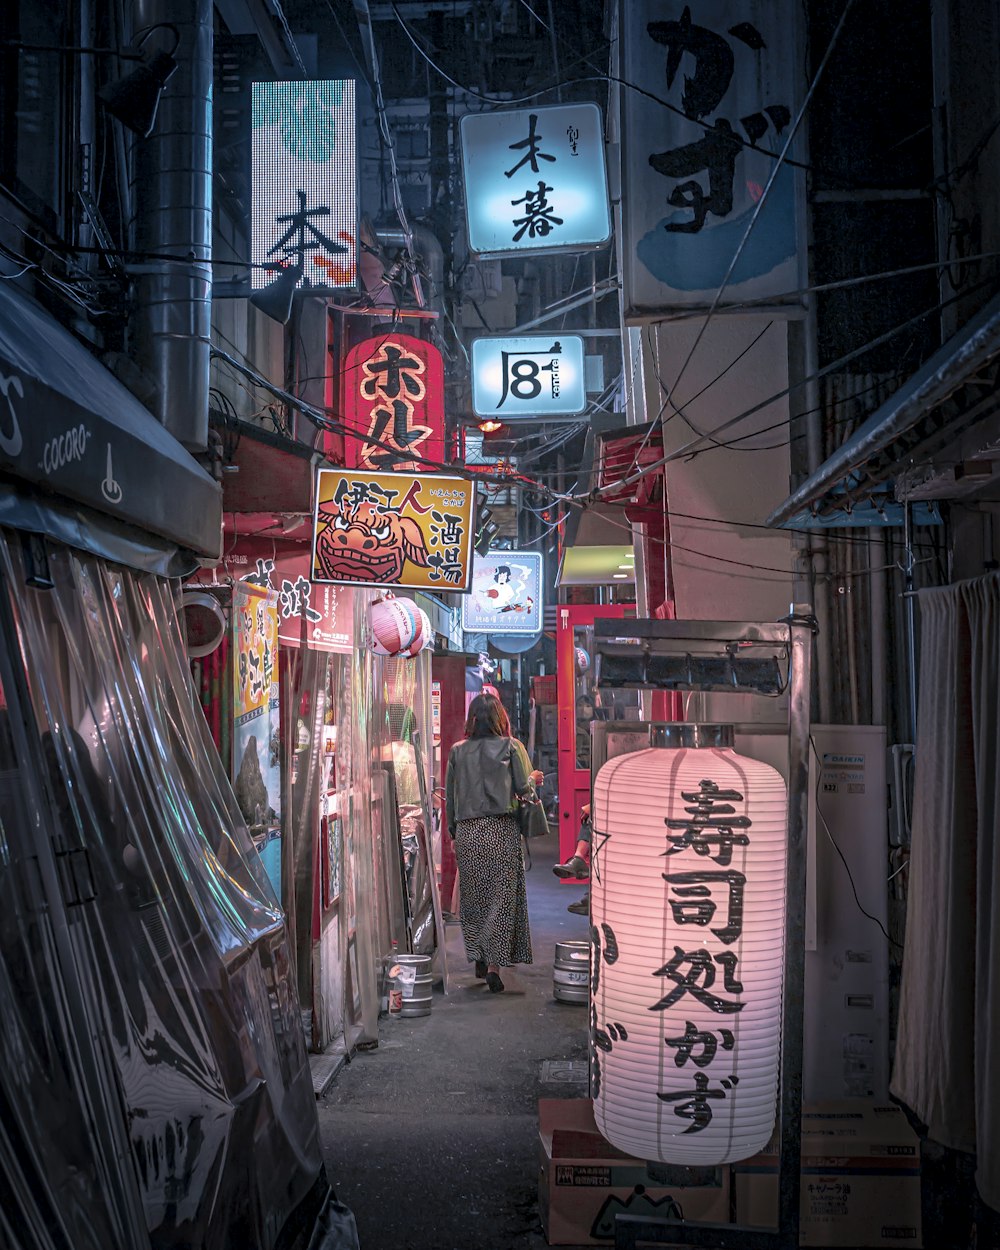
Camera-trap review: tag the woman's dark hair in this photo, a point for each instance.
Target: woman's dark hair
(487, 718)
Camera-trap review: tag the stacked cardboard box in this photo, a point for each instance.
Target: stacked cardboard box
(584, 1182)
(860, 1180)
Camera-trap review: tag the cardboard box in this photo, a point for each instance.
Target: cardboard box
(584, 1182)
(860, 1178)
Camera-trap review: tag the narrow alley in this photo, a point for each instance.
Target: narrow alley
(432, 1138)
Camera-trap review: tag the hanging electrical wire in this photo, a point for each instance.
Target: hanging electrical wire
(681, 453)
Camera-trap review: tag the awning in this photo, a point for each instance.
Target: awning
(954, 390)
(70, 429)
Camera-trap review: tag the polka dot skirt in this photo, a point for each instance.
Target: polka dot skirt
(494, 903)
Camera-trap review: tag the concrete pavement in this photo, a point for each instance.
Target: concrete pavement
(432, 1139)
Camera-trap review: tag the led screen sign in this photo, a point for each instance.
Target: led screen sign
(393, 529)
(394, 404)
(535, 180)
(531, 376)
(506, 594)
(304, 193)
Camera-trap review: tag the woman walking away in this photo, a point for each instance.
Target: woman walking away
(487, 772)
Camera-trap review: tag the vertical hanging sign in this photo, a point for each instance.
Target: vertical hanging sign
(535, 180)
(394, 404)
(304, 184)
(718, 87)
(256, 768)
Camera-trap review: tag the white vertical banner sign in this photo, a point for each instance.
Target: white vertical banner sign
(688, 922)
(697, 156)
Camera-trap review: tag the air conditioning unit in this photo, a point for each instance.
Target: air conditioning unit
(846, 1043)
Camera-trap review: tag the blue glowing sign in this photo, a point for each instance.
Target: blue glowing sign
(506, 594)
(530, 376)
(304, 186)
(535, 180)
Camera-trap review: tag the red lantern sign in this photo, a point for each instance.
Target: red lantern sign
(394, 393)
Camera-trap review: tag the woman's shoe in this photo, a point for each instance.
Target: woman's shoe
(494, 982)
(481, 969)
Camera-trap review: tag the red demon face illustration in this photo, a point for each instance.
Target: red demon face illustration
(366, 542)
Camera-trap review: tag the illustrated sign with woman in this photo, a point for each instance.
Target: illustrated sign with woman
(506, 594)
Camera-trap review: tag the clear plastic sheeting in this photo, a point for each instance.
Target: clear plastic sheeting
(154, 1085)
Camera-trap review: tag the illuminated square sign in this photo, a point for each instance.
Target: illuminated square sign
(305, 183)
(535, 180)
(393, 529)
(531, 376)
(506, 594)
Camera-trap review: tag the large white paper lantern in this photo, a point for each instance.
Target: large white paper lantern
(687, 907)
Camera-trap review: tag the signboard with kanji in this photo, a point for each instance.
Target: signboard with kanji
(530, 376)
(506, 594)
(393, 529)
(718, 86)
(535, 180)
(304, 183)
(394, 395)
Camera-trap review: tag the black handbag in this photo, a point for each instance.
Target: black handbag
(531, 815)
(530, 812)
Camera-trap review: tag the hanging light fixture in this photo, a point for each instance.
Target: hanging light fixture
(132, 99)
(687, 906)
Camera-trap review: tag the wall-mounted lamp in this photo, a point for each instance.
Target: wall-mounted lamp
(132, 99)
(275, 299)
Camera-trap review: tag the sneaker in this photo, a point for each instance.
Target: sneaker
(582, 908)
(573, 867)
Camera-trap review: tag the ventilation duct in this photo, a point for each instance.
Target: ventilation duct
(171, 198)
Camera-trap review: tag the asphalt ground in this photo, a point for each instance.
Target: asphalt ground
(432, 1138)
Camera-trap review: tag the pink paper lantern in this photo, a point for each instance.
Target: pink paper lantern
(688, 912)
(394, 625)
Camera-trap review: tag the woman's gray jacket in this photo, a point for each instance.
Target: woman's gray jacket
(485, 776)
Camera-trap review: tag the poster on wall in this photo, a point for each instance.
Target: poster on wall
(331, 859)
(256, 744)
(719, 89)
(394, 397)
(506, 596)
(304, 184)
(392, 529)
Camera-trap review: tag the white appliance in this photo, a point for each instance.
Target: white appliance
(846, 1049)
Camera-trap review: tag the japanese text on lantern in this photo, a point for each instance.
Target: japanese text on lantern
(393, 529)
(710, 899)
(701, 974)
(394, 404)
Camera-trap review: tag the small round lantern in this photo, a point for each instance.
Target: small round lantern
(394, 625)
(582, 660)
(688, 916)
(424, 637)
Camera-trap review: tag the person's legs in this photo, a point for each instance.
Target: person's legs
(577, 865)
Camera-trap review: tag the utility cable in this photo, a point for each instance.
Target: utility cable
(687, 449)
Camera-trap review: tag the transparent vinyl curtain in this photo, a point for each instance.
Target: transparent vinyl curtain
(154, 1086)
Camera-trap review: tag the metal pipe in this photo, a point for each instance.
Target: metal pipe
(171, 190)
(417, 239)
(911, 618)
(879, 649)
(818, 547)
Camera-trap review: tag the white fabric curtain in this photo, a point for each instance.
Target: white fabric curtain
(947, 1066)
